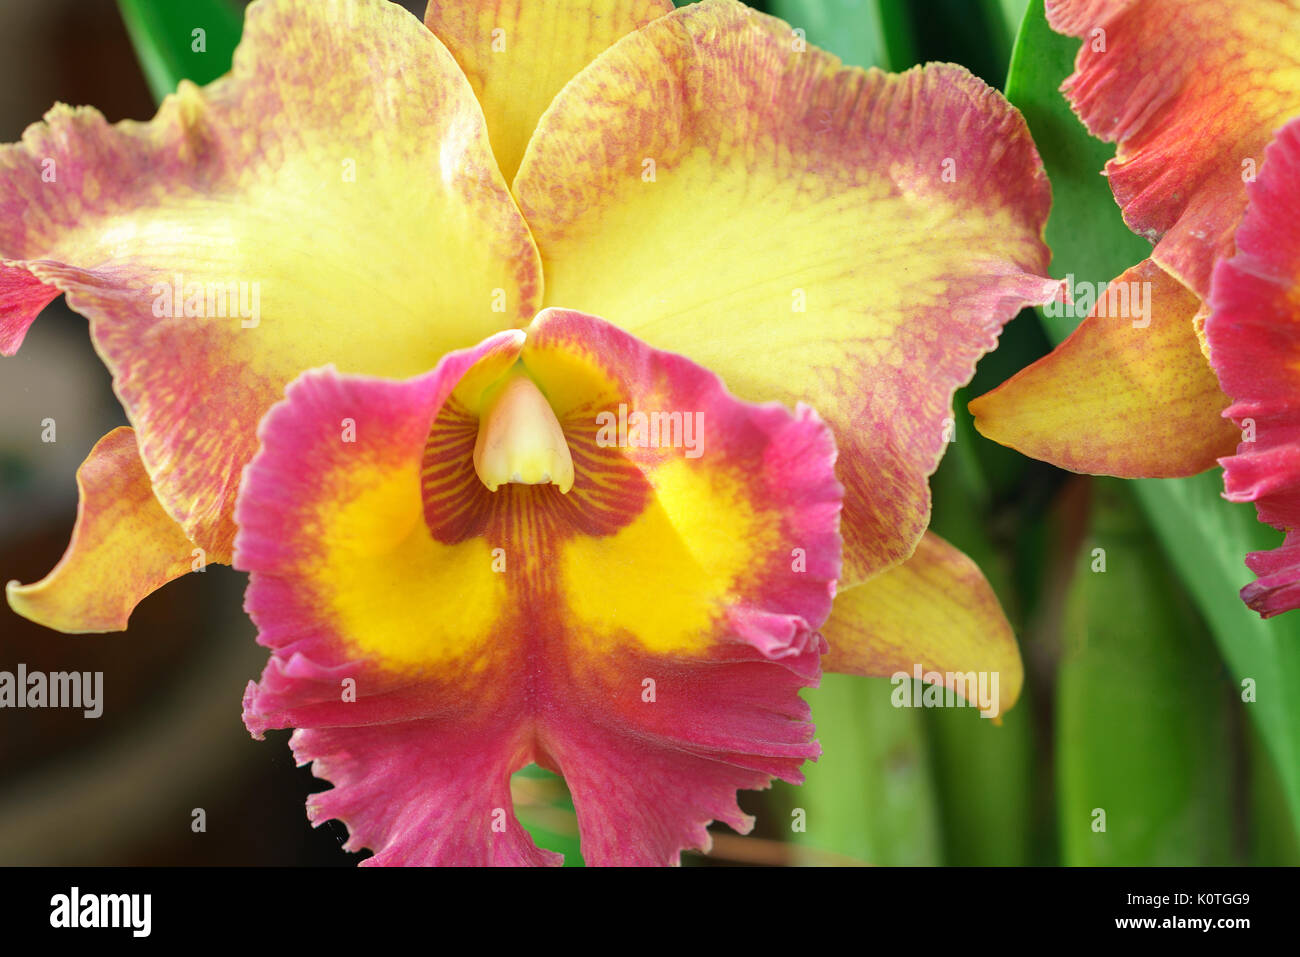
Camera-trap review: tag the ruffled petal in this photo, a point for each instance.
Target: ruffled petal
(935, 614)
(517, 54)
(1191, 91)
(1277, 587)
(851, 239)
(123, 547)
(22, 297)
(428, 792)
(1254, 337)
(645, 635)
(333, 199)
(1129, 393)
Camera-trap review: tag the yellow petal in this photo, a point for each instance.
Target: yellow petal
(847, 238)
(123, 547)
(1125, 395)
(934, 612)
(517, 54)
(333, 199)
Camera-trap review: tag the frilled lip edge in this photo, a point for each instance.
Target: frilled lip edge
(1254, 352)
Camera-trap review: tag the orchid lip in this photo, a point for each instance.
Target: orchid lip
(520, 441)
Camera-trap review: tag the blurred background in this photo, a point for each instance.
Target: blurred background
(1133, 697)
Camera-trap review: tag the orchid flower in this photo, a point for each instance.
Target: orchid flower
(490, 235)
(1252, 331)
(1192, 91)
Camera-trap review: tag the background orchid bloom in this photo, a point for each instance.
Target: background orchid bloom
(1192, 91)
(855, 239)
(1252, 332)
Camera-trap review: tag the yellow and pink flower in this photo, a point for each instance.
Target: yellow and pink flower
(644, 634)
(456, 570)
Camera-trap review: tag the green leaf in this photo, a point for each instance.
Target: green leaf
(1205, 538)
(986, 788)
(547, 814)
(1144, 763)
(986, 785)
(173, 41)
(870, 796)
(1273, 839)
(860, 32)
(1013, 13)
(1004, 18)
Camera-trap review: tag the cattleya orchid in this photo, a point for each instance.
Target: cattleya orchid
(1192, 91)
(490, 236)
